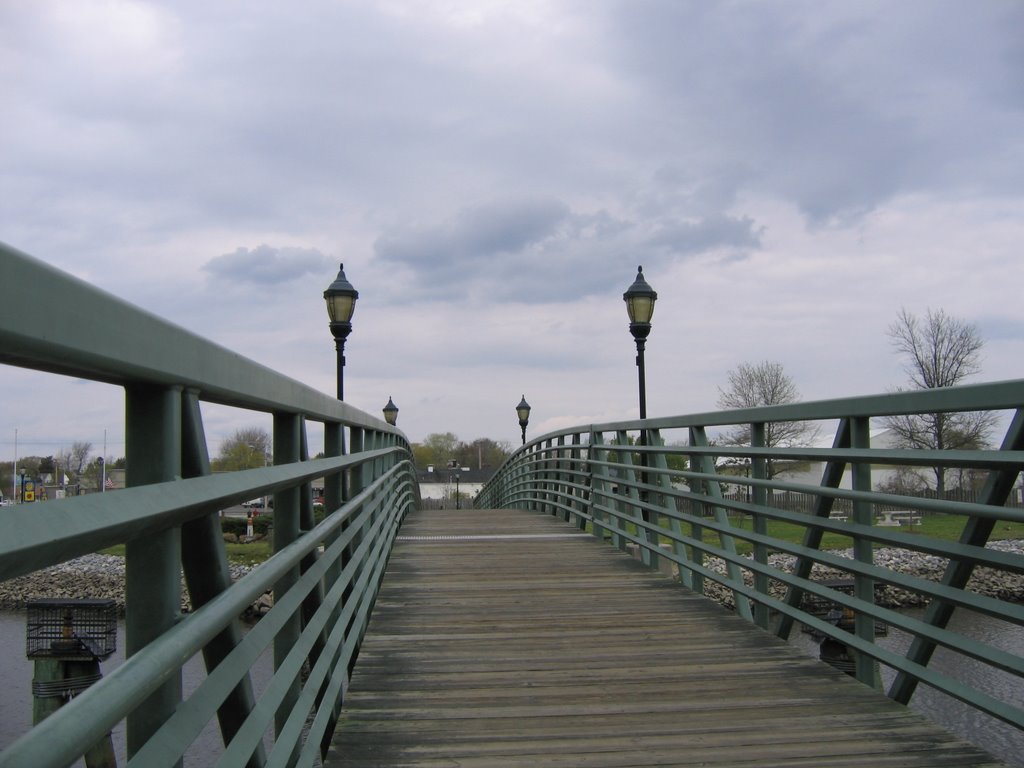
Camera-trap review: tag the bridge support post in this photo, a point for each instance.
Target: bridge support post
(100, 755)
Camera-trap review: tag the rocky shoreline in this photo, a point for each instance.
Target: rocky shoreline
(91, 576)
(102, 576)
(984, 581)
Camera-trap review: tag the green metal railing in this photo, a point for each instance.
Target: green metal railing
(324, 577)
(756, 538)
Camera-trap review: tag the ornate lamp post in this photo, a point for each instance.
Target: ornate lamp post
(391, 412)
(523, 411)
(341, 303)
(640, 298)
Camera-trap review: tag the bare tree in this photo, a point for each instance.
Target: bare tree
(75, 460)
(752, 385)
(940, 351)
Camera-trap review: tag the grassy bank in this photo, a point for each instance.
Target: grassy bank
(239, 554)
(935, 526)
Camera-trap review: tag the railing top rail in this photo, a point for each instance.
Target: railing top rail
(69, 327)
(1000, 395)
(89, 523)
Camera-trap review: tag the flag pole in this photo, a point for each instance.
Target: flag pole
(103, 464)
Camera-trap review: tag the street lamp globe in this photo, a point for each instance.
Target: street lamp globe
(640, 298)
(391, 412)
(341, 298)
(523, 411)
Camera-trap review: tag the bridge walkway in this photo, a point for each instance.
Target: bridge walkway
(507, 638)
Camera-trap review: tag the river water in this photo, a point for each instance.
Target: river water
(998, 738)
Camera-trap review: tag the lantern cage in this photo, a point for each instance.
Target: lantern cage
(71, 629)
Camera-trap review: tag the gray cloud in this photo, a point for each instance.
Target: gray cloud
(840, 109)
(265, 265)
(707, 234)
(482, 232)
(1001, 327)
(540, 250)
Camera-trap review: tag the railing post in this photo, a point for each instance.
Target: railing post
(286, 530)
(550, 477)
(668, 500)
(561, 488)
(863, 552)
(152, 561)
(713, 490)
(357, 479)
(758, 439)
(831, 478)
(599, 487)
(576, 466)
(334, 445)
(697, 512)
(528, 476)
(631, 477)
(208, 574)
(307, 521)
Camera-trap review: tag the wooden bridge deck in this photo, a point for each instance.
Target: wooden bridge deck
(506, 639)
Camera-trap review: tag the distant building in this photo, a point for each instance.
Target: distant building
(437, 484)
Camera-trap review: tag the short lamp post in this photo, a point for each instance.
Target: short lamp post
(523, 411)
(341, 304)
(391, 412)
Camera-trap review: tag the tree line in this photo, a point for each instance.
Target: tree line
(438, 448)
(77, 463)
(251, 447)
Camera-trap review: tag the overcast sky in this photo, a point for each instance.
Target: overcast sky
(789, 174)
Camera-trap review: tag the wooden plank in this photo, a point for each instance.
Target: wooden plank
(500, 639)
